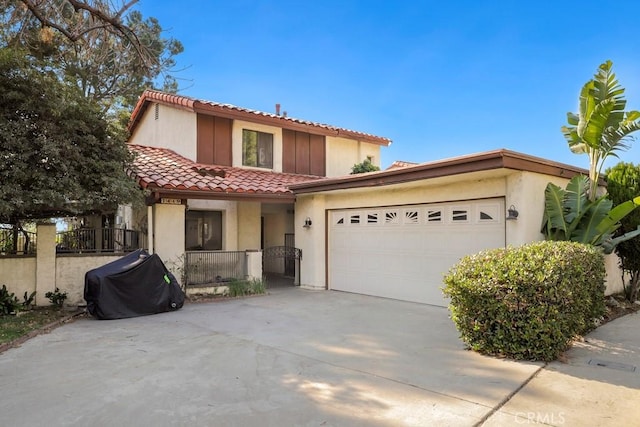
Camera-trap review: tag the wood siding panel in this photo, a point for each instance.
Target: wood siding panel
(222, 152)
(288, 151)
(302, 153)
(214, 140)
(204, 151)
(317, 155)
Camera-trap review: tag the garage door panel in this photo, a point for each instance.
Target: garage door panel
(403, 252)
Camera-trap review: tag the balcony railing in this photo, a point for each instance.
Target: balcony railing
(98, 240)
(15, 241)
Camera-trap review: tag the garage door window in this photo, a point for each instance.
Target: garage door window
(391, 217)
(410, 217)
(488, 213)
(434, 215)
(459, 215)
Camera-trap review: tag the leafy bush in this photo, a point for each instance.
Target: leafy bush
(527, 302)
(56, 297)
(8, 302)
(364, 167)
(623, 183)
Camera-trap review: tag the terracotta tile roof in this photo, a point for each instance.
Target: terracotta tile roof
(234, 112)
(400, 164)
(165, 171)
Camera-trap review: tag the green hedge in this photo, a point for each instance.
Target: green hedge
(527, 302)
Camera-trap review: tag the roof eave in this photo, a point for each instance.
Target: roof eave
(491, 160)
(285, 123)
(220, 110)
(159, 193)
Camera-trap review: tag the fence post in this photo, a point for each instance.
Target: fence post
(45, 262)
(254, 264)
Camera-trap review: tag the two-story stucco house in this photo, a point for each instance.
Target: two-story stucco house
(221, 177)
(218, 175)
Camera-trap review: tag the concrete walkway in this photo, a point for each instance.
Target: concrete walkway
(304, 358)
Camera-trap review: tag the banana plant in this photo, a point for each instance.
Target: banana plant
(570, 215)
(601, 128)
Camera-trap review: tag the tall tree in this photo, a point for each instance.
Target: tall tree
(602, 127)
(112, 54)
(58, 155)
(623, 183)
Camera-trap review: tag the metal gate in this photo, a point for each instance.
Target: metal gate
(290, 262)
(282, 261)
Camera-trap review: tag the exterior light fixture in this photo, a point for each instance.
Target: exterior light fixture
(512, 213)
(307, 222)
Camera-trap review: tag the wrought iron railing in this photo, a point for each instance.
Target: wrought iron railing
(211, 267)
(16, 241)
(94, 240)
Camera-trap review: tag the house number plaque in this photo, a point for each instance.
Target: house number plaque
(168, 201)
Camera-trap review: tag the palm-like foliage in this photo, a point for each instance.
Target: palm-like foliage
(570, 215)
(602, 127)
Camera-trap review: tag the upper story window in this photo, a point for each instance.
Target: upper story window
(257, 149)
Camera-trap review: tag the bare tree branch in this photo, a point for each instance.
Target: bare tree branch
(104, 19)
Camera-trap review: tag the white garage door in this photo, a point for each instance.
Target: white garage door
(403, 252)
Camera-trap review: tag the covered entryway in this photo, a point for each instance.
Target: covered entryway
(402, 252)
(281, 264)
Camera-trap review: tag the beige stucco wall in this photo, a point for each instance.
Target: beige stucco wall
(278, 220)
(168, 235)
(236, 137)
(248, 225)
(45, 262)
(312, 240)
(18, 274)
(70, 271)
(174, 128)
(254, 265)
(523, 190)
(343, 153)
(67, 274)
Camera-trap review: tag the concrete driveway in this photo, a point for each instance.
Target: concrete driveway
(291, 358)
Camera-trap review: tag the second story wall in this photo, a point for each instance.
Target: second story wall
(167, 127)
(236, 136)
(343, 153)
(214, 140)
(303, 153)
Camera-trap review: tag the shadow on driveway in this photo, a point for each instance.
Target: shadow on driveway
(294, 357)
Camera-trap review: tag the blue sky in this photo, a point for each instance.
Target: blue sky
(441, 79)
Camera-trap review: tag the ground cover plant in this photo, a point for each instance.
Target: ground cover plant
(26, 322)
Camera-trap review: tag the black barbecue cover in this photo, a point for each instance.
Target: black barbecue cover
(135, 285)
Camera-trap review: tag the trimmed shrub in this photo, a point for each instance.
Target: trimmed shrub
(527, 302)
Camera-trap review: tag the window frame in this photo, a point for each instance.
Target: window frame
(263, 149)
